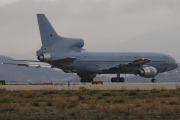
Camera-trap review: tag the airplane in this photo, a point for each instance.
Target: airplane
(68, 55)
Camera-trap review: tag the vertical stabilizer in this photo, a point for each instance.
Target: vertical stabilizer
(47, 32)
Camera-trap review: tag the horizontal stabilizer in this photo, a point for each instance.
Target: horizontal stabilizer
(27, 65)
(27, 60)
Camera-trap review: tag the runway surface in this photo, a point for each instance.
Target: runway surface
(106, 86)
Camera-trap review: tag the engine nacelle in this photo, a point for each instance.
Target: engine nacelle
(46, 57)
(148, 72)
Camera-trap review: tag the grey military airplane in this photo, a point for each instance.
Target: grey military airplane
(68, 55)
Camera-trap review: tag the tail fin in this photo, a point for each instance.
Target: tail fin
(47, 32)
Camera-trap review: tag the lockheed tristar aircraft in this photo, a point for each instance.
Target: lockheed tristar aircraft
(68, 55)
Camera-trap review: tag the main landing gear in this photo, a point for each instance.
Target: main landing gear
(153, 80)
(86, 80)
(86, 77)
(117, 79)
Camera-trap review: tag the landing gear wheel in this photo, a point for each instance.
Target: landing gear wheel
(82, 80)
(113, 79)
(153, 80)
(118, 79)
(86, 80)
(90, 80)
(122, 79)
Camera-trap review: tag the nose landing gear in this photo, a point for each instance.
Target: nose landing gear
(153, 80)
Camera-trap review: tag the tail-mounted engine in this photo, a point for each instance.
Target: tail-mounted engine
(45, 57)
(148, 72)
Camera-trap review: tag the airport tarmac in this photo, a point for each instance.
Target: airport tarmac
(109, 86)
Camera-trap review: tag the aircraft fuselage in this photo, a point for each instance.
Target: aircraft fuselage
(93, 62)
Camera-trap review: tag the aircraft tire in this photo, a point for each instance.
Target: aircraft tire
(82, 80)
(90, 80)
(153, 80)
(86, 80)
(122, 79)
(113, 79)
(118, 79)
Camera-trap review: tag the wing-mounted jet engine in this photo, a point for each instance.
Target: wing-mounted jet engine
(148, 72)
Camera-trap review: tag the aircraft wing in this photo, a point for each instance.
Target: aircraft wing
(141, 61)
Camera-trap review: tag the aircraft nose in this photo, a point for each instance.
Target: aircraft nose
(176, 65)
